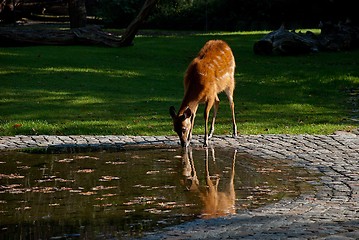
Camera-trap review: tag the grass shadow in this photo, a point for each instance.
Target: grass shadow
(96, 90)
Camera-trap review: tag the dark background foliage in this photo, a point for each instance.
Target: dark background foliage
(208, 15)
(233, 15)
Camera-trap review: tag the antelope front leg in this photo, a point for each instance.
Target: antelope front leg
(208, 107)
(216, 105)
(192, 123)
(205, 144)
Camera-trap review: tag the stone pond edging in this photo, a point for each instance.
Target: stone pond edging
(330, 212)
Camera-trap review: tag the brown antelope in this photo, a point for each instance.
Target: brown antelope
(210, 73)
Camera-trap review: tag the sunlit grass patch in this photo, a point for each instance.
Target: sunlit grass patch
(91, 70)
(96, 90)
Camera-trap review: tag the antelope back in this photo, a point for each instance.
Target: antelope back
(212, 71)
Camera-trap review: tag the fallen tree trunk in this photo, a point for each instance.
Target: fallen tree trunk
(283, 42)
(332, 38)
(91, 35)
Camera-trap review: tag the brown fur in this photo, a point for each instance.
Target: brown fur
(210, 73)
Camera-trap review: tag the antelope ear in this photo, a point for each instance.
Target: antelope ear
(173, 112)
(187, 113)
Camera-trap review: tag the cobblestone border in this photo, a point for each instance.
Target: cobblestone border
(331, 212)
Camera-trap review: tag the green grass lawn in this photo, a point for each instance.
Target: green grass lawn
(96, 90)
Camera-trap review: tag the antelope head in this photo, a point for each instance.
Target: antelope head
(182, 125)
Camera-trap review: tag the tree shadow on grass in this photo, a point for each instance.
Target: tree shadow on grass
(137, 84)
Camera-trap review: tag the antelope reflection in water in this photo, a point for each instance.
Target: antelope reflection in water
(215, 203)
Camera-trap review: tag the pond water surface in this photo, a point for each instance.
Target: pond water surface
(115, 194)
